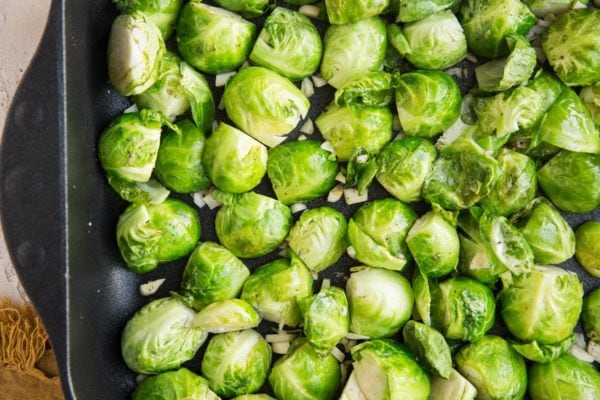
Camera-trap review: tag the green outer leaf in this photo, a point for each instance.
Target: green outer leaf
(370, 89)
(199, 95)
(542, 353)
(429, 346)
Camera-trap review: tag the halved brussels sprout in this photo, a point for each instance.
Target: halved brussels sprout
(227, 316)
(428, 102)
(572, 47)
(494, 368)
(274, 289)
(135, 50)
(436, 42)
(251, 225)
(273, 109)
(590, 96)
(234, 161)
(572, 181)
(212, 274)
(326, 318)
(488, 23)
(369, 89)
(430, 348)
(212, 39)
(160, 336)
(590, 315)
(564, 378)
(548, 234)
(163, 14)
(587, 248)
(151, 234)
(415, 10)
(381, 302)
(288, 44)
(246, 8)
(352, 50)
(541, 8)
(179, 160)
(318, 238)
(456, 387)
(301, 171)
(434, 244)
(151, 192)
(378, 231)
(542, 304)
(342, 12)
(182, 383)
(543, 353)
(236, 362)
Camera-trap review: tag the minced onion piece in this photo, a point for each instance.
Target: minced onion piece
(348, 344)
(210, 201)
(314, 274)
(454, 71)
(338, 354)
(593, 350)
(343, 373)
(151, 287)
(471, 58)
(245, 64)
(579, 5)
(221, 105)
(133, 109)
(335, 194)
(215, 125)
(280, 337)
(326, 284)
(140, 378)
(340, 177)
(280, 347)
(581, 354)
(351, 196)
(308, 127)
(307, 87)
(327, 147)
(198, 199)
(318, 81)
(351, 252)
(302, 138)
(579, 340)
(221, 79)
(362, 159)
(297, 207)
(310, 11)
(356, 336)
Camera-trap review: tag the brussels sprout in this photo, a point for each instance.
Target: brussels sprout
(385, 370)
(436, 41)
(212, 274)
(564, 378)
(135, 49)
(433, 243)
(587, 249)
(302, 374)
(179, 160)
(381, 302)
(288, 44)
(352, 50)
(590, 315)
(494, 368)
(572, 181)
(378, 231)
(543, 353)
(428, 102)
(274, 289)
(430, 348)
(348, 128)
(236, 362)
(234, 161)
(397, 40)
(227, 316)
(251, 225)
(173, 385)
(541, 8)
(151, 192)
(128, 147)
(572, 47)
(326, 318)
(213, 40)
(456, 387)
(342, 12)
(542, 304)
(246, 8)
(462, 308)
(272, 111)
(301, 171)
(160, 336)
(546, 231)
(318, 238)
(151, 234)
(163, 14)
(369, 89)
(590, 96)
(422, 292)
(487, 24)
(254, 397)
(509, 247)
(415, 10)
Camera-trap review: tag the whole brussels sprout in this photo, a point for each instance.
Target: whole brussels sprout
(212, 39)
(234, 161)
(436, 41)
(487, 24)
(434, 244)
(318, 238)
(301, 171)
(342, 12)
(590, 315)
(543, 353)
(542, 305)
(353, 49)
(430, 348)
(572, 48)
(381, 302)
(378, 231)
(587, 248)
(462, 308)
(251, 225)
(572, 181)
(546, 231)
(135, 50)
(151, 192)
(236, 363)
(348, 128)
(369, 89)
(274, 289)
(302, 374)
(212, 274)
(272, 111)
(227, 316)
(163, 14)
(590, 96)
(494, 368)
(246, 8)
(415, 10)
(326, 318)
(150, 234)
(160, 336)
(179, 159)
(428, 102)
(403, 166)
(564, 378)
(180, 384)
(288, 44)
(456, 387)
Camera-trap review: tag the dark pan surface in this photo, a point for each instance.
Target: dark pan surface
(59, 214)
